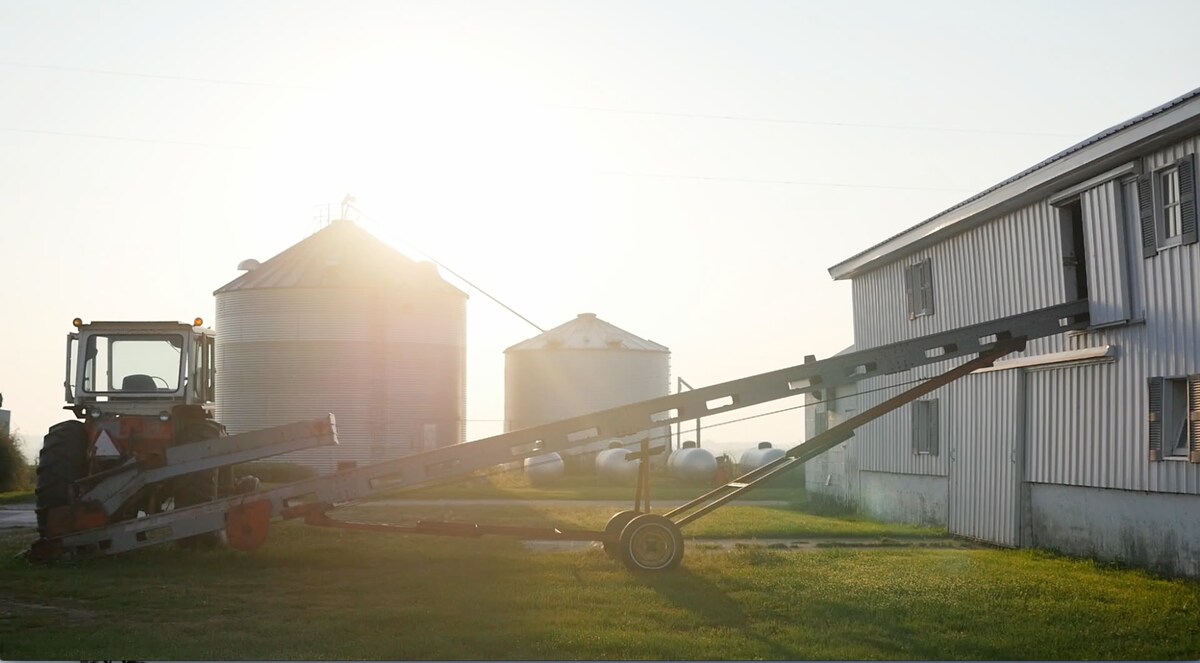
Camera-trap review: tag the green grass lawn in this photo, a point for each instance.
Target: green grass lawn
(513, 485)
(17, 497)
(313, 593)
(727, 522)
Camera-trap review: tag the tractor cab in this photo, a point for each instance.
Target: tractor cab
(140, 368)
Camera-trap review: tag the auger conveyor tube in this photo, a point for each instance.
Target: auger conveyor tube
(244, 516)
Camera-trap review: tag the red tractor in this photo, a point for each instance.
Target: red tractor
(137, 389)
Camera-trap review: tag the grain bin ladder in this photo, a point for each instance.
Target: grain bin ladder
(644, 541)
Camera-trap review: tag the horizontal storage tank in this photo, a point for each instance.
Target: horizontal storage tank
(544, 470)
(692, 465)
(579, 367)
(614, 466)
(343, 323)
(753, 459)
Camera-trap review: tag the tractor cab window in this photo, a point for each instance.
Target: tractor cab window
(132, 364)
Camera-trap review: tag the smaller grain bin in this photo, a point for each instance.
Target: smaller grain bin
(583, 366)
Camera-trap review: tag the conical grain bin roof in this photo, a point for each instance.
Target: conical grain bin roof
(587, 332)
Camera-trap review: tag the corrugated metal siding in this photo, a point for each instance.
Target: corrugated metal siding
(385, 363)
(885, 444)
(983, 442)
(1086, 423)
(1104, 239)
(1005, 267)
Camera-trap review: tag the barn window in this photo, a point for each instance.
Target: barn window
(1167, 205)
(918, 287)
(1174, 418)
(925, 427)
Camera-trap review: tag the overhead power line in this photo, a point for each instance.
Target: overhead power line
(191, 79)
(133, 139)
(593, 109)
(815, 123)
(707, 178)
(797, 182)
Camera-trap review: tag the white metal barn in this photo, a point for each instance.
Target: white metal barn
(1083, 443)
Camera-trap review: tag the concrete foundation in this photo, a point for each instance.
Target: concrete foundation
(831, 475)
(1156, 531)
(918, 499)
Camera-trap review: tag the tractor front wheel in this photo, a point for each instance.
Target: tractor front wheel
(62, 461)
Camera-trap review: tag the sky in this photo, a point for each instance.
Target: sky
(688, 171)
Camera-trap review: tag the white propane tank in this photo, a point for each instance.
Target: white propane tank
(693, 465)
(614, 466)
(544, 469)
(756, 458)
(671, 457)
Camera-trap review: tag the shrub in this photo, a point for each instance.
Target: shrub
(15, 472)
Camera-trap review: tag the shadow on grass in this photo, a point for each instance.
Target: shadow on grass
(909, 634)
(712, 606)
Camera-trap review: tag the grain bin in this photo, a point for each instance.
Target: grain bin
(582, 366)
(343, 323)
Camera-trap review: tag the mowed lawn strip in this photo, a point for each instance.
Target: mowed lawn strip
(313, 593)
(727, 522)
(514, 485)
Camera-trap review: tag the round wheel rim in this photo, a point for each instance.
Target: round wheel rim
(652, 546)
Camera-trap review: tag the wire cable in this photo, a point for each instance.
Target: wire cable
(110, 72)
(134, 139)
(797, 182)
(816, 123)
(525, 465)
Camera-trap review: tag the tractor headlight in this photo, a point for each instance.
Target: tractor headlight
(164, 416)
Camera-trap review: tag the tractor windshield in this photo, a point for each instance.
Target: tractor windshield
(133, 363)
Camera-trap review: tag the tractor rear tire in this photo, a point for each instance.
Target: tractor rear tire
(62, 461)
(198, 487)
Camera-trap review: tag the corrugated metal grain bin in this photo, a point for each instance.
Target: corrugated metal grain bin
(582, 366)
(343, 323)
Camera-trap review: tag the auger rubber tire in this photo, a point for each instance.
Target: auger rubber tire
(61, 462)
(613, 530)
(651, 543)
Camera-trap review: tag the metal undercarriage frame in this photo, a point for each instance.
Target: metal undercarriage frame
(244, 518)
